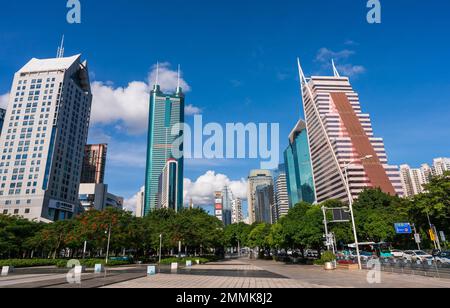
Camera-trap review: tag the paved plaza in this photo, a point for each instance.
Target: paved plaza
(231, 274)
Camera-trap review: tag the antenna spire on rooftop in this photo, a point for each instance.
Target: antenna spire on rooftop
(179, 75)
(60, 52)
(157, 73)
(335, 71)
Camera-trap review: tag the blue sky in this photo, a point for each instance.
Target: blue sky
(238, 58)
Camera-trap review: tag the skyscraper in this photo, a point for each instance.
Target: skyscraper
(341, 138)
(236, 211)
(255, 179)
(43, 139)
(169, 186)
(166, 111)
(94, 162)
(300, 180)
(281, 192)
(264, 204)
(2, 118)
(140, 197)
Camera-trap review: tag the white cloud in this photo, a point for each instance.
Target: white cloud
(4, 100)
(130, 204)
(351, 70)
(202, 190)
(190, 110)
(325, 55)
(127, 107)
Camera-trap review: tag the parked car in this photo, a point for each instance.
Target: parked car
(310, 253)
(443, 257)
(397, 253)
(417, 255)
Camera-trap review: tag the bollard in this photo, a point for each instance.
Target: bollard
(79, 269)
(98, 268)
(151, 270)
(174, 266)
(7, 270)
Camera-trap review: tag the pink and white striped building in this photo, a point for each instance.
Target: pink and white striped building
(341, 138)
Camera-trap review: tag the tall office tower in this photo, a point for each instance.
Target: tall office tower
(227, 205)
(264, 204)
(169, 186)
(236, 211)
(140, 203)
(2, 118)
(440, 165)
(218, 205)
(413, 180)
(94, 162)
(341, 136)
(166, 111)
(43, 139)
(299, 174)
(281, 192)
(255, 179)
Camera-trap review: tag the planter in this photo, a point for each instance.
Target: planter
(329, 266)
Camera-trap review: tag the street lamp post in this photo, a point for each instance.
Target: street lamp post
(160, 247)
(350, 203)
(109, 241)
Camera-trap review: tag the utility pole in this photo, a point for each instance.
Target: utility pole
(109, 241)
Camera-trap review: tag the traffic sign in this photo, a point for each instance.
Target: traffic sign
(432, 235)
(417, 238)
(443, 236)
(403, 228)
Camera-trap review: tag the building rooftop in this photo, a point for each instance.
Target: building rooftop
(44, 65)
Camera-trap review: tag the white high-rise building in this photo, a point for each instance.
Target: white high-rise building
(168, 193)
(255, 179)
(43, 139)
(414, 179)
(281, 193)
(340, 135)
(440, 165)
(236, 211)
(140, 199)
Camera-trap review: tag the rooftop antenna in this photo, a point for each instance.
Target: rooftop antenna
(157, 73)
(335, 71)
(60, 52)
(179, 74)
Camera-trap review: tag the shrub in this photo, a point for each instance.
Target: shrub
(18, 263)
(183, 260)
(326, 257)
(90, 263)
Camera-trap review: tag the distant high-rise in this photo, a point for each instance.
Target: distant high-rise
(414, 179)
(140, 203)
(255, 179)
(94, 162)
(169, 186)
(297, 158)
(340, 134)
(218, 205)
(227, 205)
(166, 111)
(2, 118)
(264, 204)
(43, 139)
(237, 215)
(281, 192)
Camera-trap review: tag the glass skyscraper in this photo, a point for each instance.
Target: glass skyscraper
(299, 175)
(166, 111)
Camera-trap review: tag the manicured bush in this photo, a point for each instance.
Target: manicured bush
(183, 260)
(326, 257)
(18, 263)
(90, 263)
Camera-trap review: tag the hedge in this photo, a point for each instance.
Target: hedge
(20, 263)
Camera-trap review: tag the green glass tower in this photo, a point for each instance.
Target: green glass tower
(166, 111)
(299, 175)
